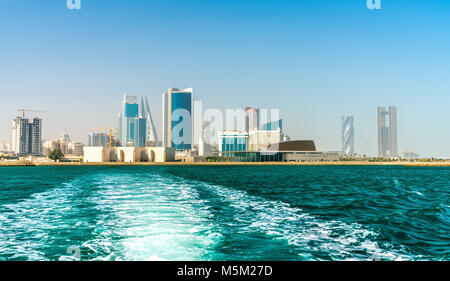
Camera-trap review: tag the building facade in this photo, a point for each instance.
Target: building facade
(177, 127)
(292, 151)
(232, 140)
(150, 130)
(135, 123)
(259, 140)
(27, 136)
(98, 139)
(251, 119)
(348, 136)
(387, 132)
(75, 148)
(128, 154)
(273, 126)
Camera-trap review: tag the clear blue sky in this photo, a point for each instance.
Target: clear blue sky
(315, 60)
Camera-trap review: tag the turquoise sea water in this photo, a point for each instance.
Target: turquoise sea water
(225, 213)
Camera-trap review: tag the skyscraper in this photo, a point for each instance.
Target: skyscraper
(251, 119)
(132, 122)
(348, 135)
(387, 135)
(150, 131)
(98, 139)
(27, 136)
(273, 126)
(177, 127)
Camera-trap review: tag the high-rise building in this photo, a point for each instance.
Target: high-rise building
(273, 126)
(348, 135)
(133, 119)
(387, 132)
(27, 136)
(151, 135)
(251, 119)
(177, 127)
(98, 139)
(232, 141)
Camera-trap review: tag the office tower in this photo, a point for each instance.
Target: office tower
(27, 136)
(232, 141)
(150, 132)
(273, 126)
(177, 127)
(251, 119)
(348, 135)
(387, 135)
(140, 132)
(132, 126)
(98, 139)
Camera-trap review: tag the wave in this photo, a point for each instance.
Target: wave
(150, 218)
(28, 226)
(313, 237)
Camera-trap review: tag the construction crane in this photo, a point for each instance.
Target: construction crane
(105, 129)
(29, 110)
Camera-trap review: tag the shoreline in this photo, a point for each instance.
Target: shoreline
(339, 163)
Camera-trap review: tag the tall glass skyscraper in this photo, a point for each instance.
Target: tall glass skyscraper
(150, 130)
(387, 135)
(132, 125)
(348, 135)
(177, 118)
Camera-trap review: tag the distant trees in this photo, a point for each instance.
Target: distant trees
(55, 155)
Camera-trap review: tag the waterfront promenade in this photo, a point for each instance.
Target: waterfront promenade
(338, 163)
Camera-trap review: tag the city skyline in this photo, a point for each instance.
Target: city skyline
(302, 58)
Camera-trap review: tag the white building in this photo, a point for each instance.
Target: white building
(128, 154)
(258, 140)
(410, 155)
(348, 136)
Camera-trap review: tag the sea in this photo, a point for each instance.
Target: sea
(223, 213)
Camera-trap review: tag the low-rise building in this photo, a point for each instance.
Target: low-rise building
(232, 140)
(292, 151)
(128, 154)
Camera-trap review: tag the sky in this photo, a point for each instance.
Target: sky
(314, 60)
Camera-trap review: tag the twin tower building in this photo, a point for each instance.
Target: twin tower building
(136, 127)
(387, 133)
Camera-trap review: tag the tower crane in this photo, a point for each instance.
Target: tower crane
(29, 110)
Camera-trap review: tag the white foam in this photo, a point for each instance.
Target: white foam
(340, 240)
(26, 225)
(153, 219)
